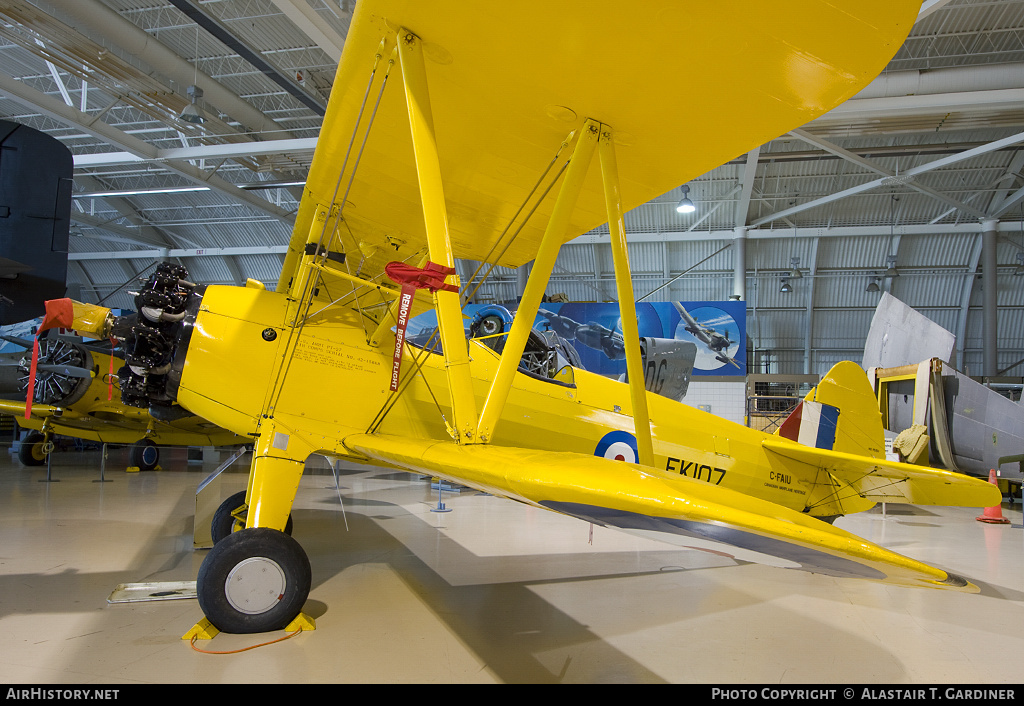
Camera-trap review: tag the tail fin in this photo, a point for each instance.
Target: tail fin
(840, 414)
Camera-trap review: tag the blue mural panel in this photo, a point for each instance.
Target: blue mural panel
(717, 328)
(595, 331)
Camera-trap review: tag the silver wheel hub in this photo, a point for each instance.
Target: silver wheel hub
(255, 585)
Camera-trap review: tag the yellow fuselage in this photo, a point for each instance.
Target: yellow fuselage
(321, 382)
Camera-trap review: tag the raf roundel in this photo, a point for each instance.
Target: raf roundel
(618, 446)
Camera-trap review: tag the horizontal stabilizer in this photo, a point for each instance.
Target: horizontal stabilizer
(643, 501)
(883, 481)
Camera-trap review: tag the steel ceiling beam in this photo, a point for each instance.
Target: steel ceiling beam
(873, 166)
(930, 6)
(931, 104)
(709, 212)
(143, 231)
(1013, 171)
(116, 232)
(224, 35)
(162, 253)
(306, 19)
(308, 145)
(1009, 202)
(749, 172)
(914, 171)
(70, 115)
(966, 293)
(100, 20)
(805, 232)
(223, 151)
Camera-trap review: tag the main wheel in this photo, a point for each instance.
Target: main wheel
(144, 454)
(31, 452)
(254, 580)
(224, 521)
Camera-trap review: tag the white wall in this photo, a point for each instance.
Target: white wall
(724, 399)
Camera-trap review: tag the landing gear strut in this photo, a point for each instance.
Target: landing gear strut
(230, 517)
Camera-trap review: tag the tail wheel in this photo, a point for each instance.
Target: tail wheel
(229, 517)
(254, 580)
(144, 454)
(33, 449)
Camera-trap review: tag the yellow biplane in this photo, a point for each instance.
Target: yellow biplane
(77, 393)
(469, 130)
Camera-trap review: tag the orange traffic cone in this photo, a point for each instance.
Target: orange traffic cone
(993, 515)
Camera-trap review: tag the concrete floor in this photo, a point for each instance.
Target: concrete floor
(490, 592)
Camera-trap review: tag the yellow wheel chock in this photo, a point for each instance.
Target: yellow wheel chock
(204, 629)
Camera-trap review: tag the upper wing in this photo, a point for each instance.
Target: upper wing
(669, 507)
(507, 87)
(883, 481)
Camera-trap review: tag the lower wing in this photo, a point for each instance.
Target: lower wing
(644, 501)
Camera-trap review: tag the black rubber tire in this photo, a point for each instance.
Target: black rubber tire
(224, 523)
(144, 454)
(31, 451)
(249, 558)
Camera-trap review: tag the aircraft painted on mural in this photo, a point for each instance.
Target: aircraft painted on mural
(718, 343)
(591, 334)
(481, 148)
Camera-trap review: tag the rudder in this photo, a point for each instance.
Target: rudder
(840, 414)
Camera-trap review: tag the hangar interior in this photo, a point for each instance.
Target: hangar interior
(193, 124)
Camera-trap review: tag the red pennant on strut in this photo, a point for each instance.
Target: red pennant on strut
(60, 313)
(430, 277)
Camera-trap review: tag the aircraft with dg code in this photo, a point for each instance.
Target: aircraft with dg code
(497, 137)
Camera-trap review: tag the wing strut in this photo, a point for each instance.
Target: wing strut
(439, 246)
(593, 134)
(467, 430)
(627, 305)
(543, 264)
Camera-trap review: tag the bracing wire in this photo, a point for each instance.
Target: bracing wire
(393, 397)
(311, 282)
(488, 257)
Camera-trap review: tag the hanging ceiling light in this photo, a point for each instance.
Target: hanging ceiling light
(794, 268)
(685, 205)
(891, 271)
(1018, 271)
(786, 287)
(191, 113)
(873, 284)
